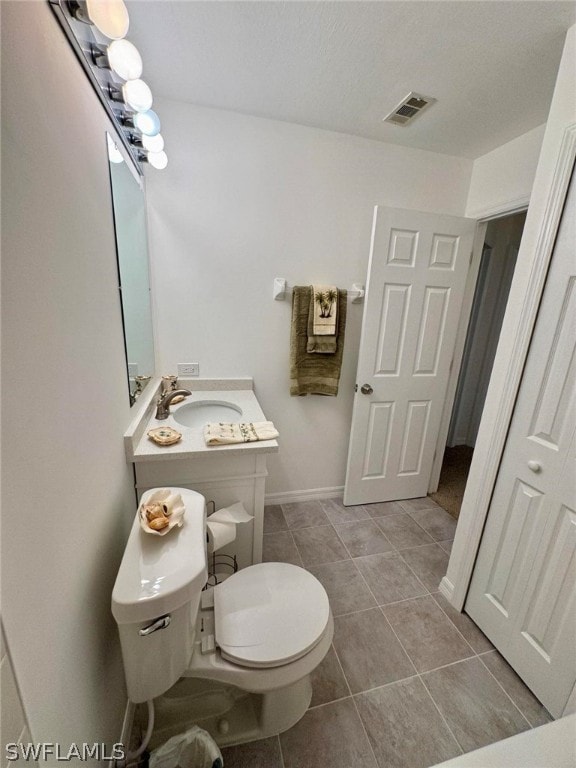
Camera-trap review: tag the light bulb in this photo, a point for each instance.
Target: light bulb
(114, 154)
(110, 17)
(148, 123)
(124, 59)
(158, 160)
(137, 95)
(153, 143)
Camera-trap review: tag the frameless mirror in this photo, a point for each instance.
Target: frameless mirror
(132, 250)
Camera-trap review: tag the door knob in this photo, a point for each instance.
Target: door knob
(366, 389)
(535, 466)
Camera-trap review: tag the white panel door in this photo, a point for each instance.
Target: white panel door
(523, 590)
(416, 279)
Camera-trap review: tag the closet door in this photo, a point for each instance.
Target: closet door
(523, 590)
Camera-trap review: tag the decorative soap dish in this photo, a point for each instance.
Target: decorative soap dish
(164, 435)
(162, 511)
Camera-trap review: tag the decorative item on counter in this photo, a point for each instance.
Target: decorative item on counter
(169, 384)
(141, 382)
(164, 435)
(162, 511)
(248, 432)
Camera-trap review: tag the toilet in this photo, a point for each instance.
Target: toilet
(236, 658)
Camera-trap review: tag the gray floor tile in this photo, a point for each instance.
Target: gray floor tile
(404, 727)
(465, 625)
(413, 505)
(280, 548)
(437, 522)
(304, 514)
(331, 735)
(256, 754)
(346, 589)
(338, 513)
(446, 546)
(476, 709)
(426, 633)
(368, 650)
(389, 578)
(428, 563)
(274, 520)
(328, 681)
(363, 537)
(402, 531)
(319, 545)
(535, 712)
(384, 508)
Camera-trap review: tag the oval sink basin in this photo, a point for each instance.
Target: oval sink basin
(205, 411)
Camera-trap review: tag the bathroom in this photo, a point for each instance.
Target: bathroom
(245, 198)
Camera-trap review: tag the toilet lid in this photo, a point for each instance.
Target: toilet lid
(269, 614)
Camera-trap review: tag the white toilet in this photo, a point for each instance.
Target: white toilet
(236, 658)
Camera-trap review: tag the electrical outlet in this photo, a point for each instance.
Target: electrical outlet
(189, 369)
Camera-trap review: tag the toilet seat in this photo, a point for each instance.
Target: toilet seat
(269, 614)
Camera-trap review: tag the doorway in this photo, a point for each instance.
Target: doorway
(500, 251)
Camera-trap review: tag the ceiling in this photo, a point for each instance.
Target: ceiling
(343, 66)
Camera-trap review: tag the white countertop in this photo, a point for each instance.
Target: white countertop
(139, 447)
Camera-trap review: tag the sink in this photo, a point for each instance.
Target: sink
(201, 412)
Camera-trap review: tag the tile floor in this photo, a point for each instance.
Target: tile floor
(409, 681)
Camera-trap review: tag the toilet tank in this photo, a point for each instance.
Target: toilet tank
(156, 598)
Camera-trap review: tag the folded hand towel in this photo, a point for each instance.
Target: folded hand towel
(325, 299)
(249, 432)
(323, 345)
(313, 374)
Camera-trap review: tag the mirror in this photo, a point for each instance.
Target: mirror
(132, 250)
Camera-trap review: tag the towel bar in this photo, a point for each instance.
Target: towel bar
(281, 291)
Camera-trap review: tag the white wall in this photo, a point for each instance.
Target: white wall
(67, 496)
(244, 200)
(502, 179)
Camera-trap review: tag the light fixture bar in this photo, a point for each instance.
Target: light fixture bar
(66, 17)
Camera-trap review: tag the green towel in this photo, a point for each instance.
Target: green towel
(310, 373)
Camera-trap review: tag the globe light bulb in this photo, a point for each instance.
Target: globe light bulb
(148, 123)
(153, 143)
(124, 59)
(137, 95)
(158, 160)
(109, 16)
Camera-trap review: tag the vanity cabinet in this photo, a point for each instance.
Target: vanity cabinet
(222, 474)
(223, 480)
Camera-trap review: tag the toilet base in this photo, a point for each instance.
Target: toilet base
(229, 715)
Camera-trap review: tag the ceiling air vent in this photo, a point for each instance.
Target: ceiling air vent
(408, 109)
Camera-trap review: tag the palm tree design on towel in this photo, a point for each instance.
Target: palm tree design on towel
(326, 300)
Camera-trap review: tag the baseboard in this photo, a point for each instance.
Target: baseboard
(446, 588)
(289, 497)
(126, 729)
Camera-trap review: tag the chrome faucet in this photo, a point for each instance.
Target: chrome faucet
(163, 409)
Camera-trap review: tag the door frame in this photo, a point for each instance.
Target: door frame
(501, 212)
(553, 174)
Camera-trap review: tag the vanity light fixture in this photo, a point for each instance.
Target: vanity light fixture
(122, 57)
(127, 104)
(114, 154)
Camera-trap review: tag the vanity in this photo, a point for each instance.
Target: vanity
(223, 474)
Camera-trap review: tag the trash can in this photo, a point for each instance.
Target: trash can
(193, 749)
